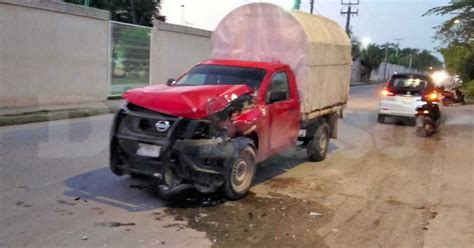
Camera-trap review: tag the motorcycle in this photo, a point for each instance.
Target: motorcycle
(453, 96)
(428, 116)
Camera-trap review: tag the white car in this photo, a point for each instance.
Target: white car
(402, 95)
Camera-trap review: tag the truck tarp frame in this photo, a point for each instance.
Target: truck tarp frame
(316, 48)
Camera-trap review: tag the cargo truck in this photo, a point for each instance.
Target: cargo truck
(275, 79)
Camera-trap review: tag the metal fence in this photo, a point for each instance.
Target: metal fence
(129, 57)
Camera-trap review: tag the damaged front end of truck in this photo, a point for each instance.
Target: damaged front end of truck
(180, 152)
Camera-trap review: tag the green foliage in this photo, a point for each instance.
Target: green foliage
(372, 56)
(459, 28)
(356, 48)
(459, 59)
(458, 34)
(421, 60)
(130, 57)
(296, 4)
(138, 12)
(469, 89)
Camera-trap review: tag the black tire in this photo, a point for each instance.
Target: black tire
(138, 176)
(317, 147)
(381, 118)
(421, 127)
(445, 102)
(234, 187)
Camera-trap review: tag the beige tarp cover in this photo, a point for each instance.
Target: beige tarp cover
(316, 48)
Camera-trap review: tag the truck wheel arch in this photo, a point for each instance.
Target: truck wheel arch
(254, 137)
(332, 120)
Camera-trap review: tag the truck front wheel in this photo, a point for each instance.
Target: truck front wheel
(317, 147)
(239, 175)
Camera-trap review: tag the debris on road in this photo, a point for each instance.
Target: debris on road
(85, 238)
(98, 210)
(251, 212)
(137, 186)
(22, 204)
(314, 214)
(25, 188)
(79, 198)
(114, 224)
(63, 202)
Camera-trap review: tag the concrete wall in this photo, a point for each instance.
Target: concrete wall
(378, 75)
(356, 71)
(174, 49)
(52, 53)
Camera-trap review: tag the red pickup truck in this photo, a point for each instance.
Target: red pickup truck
(209, 128)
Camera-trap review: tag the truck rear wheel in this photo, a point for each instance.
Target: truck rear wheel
(317, 147)
(239, 175)
(381, 118)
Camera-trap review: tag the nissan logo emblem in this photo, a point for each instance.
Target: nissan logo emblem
(162, 126)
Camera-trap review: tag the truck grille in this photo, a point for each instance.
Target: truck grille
(139, 120)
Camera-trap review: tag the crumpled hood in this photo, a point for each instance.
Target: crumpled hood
(184, 101)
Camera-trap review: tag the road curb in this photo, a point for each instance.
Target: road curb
(363, 84)
(61, 114)
(52, 115)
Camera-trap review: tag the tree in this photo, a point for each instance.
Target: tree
(459, 28)
(457, 33)
(459, 59)
(296, 4)
(356, 48)
(139, 12)
(372, 57)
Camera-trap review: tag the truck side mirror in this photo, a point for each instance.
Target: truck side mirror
(170, 81)
(276, 96)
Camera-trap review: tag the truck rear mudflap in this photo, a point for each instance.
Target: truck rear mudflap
(183, 154)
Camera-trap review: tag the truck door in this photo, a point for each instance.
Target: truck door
(283, 112)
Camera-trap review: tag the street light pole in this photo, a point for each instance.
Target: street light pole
(182, 14)
(411, 59)
(398, 46)
(87, 3)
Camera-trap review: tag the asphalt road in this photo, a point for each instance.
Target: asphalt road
(380, 186)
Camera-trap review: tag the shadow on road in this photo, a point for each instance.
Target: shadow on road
(102, 186)
(135, 195)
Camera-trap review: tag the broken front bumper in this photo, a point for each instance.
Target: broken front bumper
(187, 153)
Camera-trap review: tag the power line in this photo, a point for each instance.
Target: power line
(349, 13)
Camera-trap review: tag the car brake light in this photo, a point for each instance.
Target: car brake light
(385, 92)
(433, 96)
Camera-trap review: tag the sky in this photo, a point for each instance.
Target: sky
(378, 21)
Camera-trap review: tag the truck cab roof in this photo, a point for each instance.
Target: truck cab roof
(243, 63)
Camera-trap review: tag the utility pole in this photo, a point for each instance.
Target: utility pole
(411, 60)
(182, 14)
(311, 4)
(398, 46)
(348, 12)
(132, 9)
(385, 62)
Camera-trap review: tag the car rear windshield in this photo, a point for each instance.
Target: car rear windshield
(405, 84)
(218, 74)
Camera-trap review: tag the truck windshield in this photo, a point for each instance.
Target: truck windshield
(225, 75)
